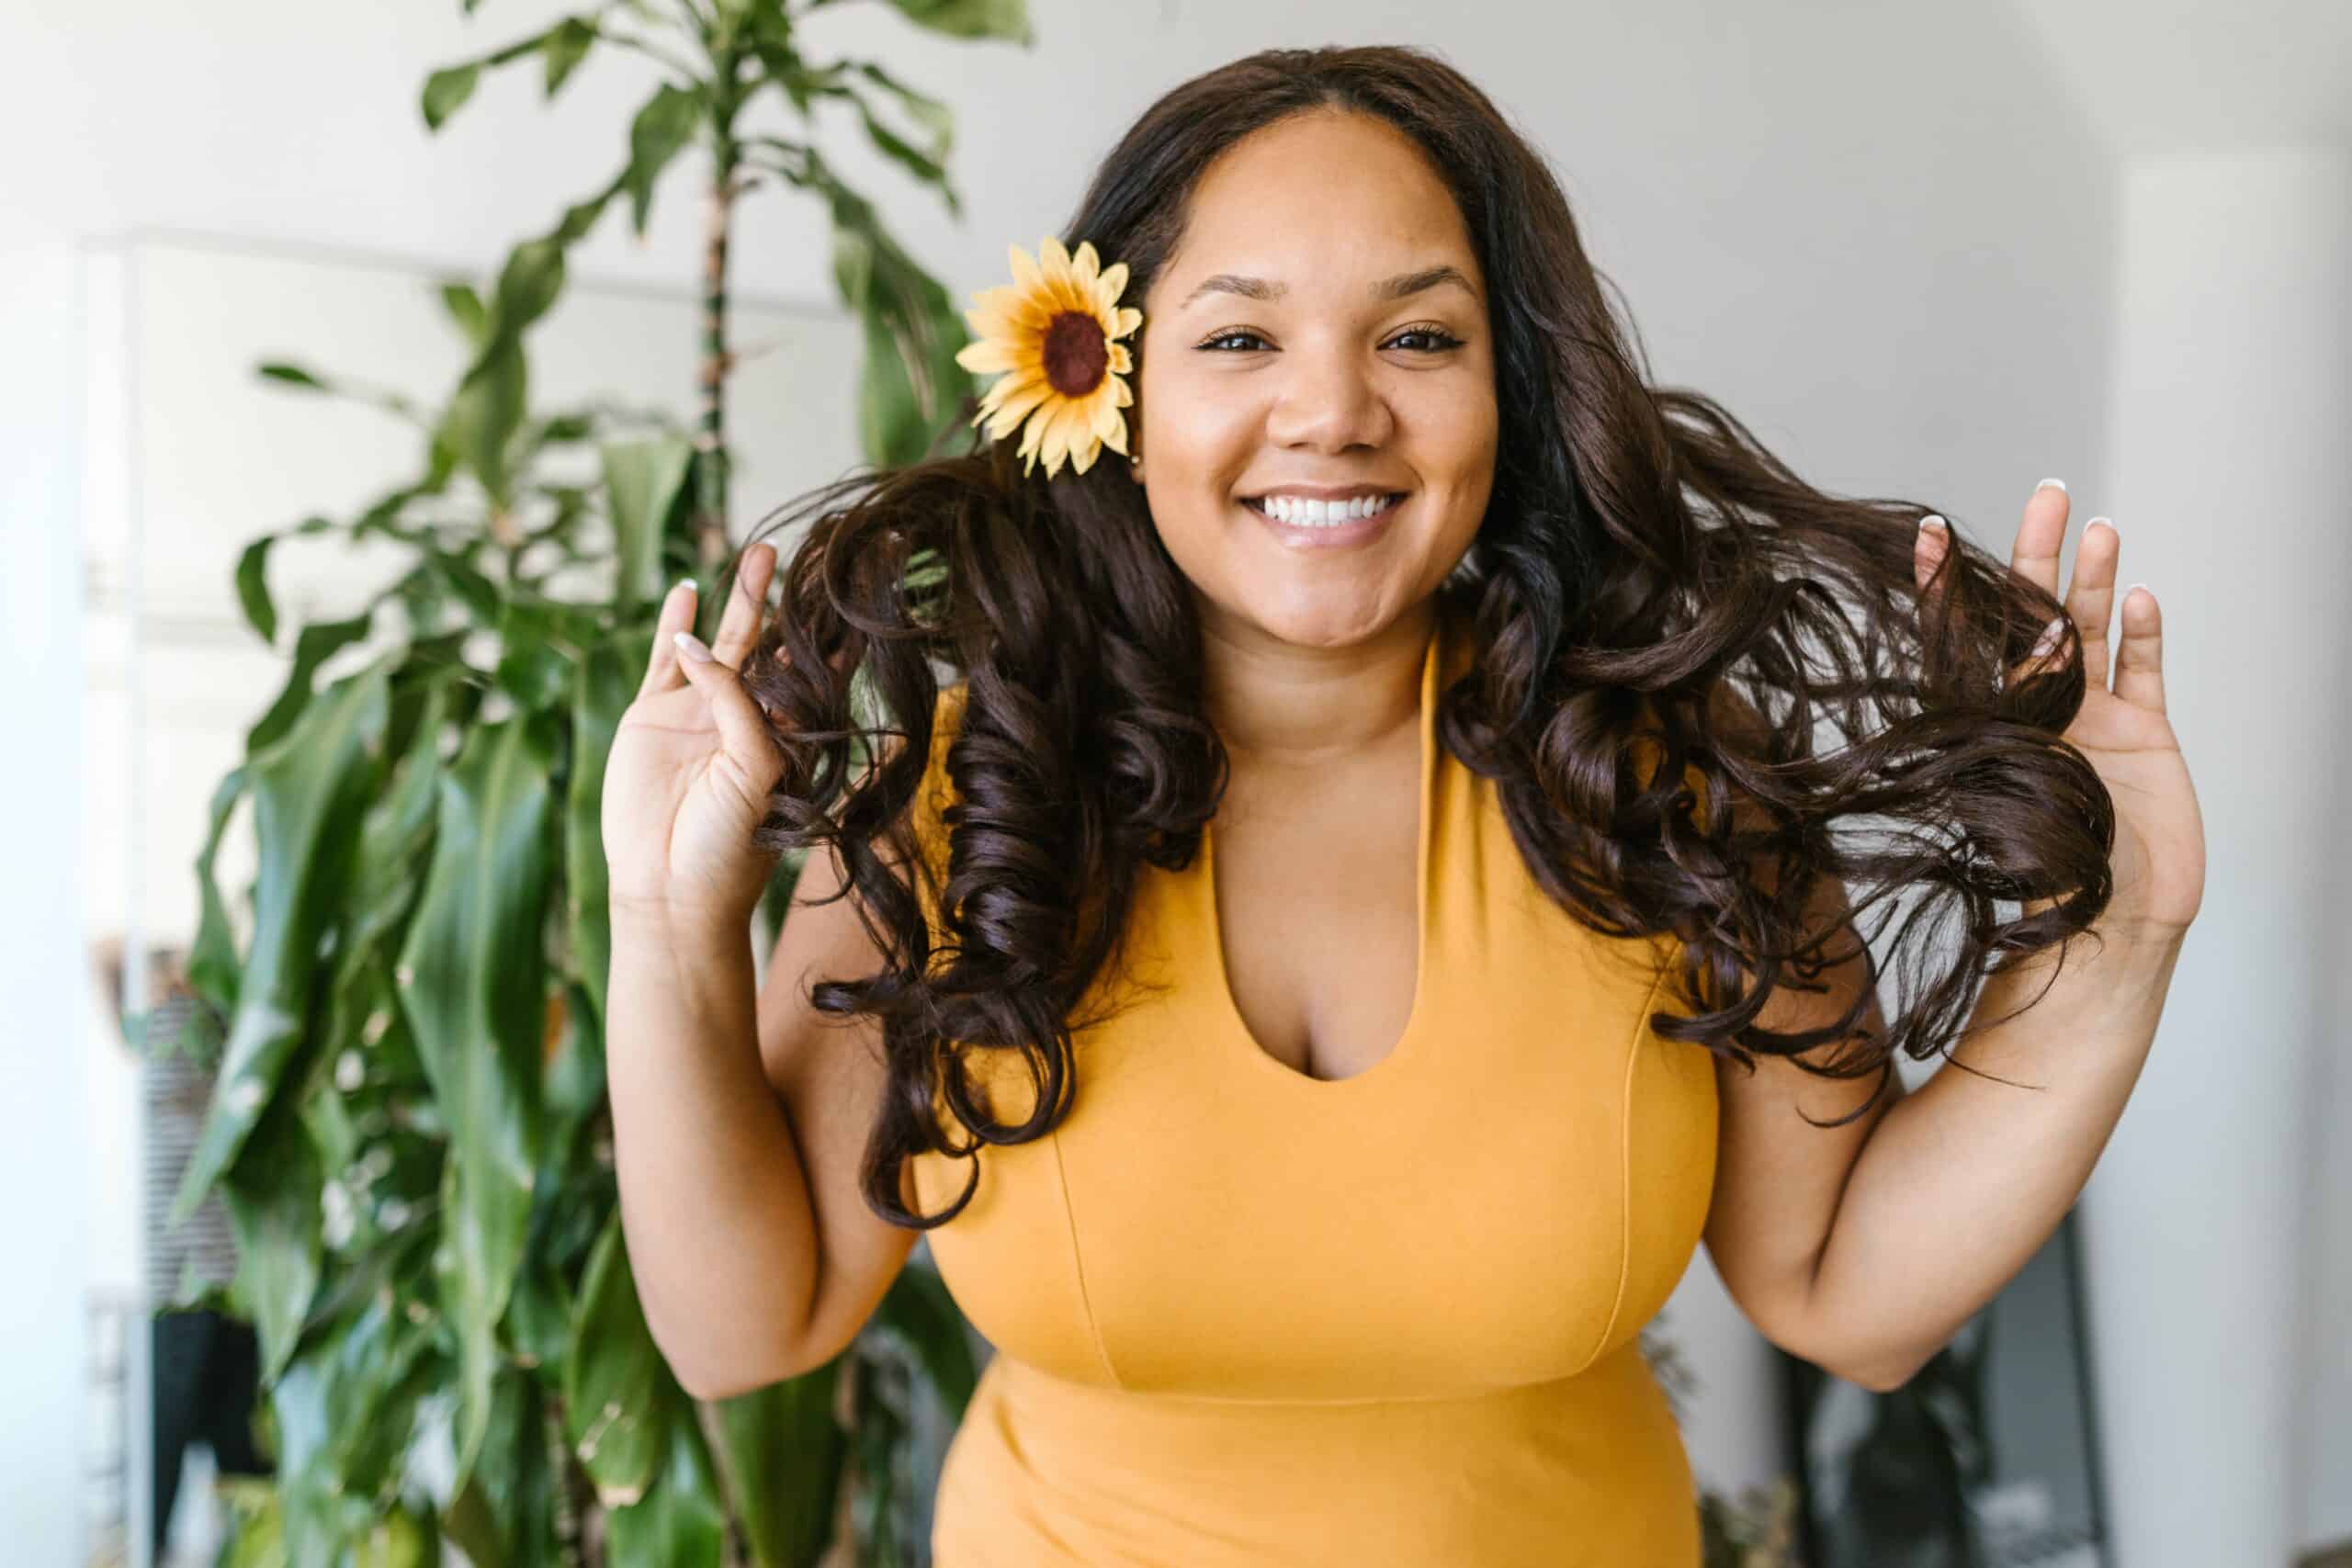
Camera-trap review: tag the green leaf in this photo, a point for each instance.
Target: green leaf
(486, 411)
(257, 1528)
(446, 92)
(614, 1378)
(313, 646)
(271, 1194)
(911, 388)
(404, 1538)
(784, 1453)
(309, 794)
(602, 688)
(929, 113)
(502, 1513)
(466, 309)
(660, 132)
(534, 667)
(971, 18)
(643, 483)
(476, 591)
(918, 1308)
(212, 958)
(580, 215)
(681, 1521)
(370, 1388)
(916, 161)
(292, 375)
(539, 1320)
(472, 979)
(252, 589)
(567, 44)
(530, 283)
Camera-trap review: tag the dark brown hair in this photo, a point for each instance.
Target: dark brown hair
(1649, 583)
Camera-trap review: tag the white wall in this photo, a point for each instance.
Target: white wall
(2221, 1261)
(1885, 236)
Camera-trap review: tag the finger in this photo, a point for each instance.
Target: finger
(2139, 659)
(2041, 536)
(746, 606)
(662, 672)
(1928, 548)
(742, 732)
(2090, 596)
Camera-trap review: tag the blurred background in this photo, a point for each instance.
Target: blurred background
(1936, 252)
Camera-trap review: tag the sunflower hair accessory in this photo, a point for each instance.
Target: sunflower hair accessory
(1053, 331)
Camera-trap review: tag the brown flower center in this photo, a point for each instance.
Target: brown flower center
(1075, 354)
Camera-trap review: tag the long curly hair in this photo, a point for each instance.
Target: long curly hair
(1663, 619)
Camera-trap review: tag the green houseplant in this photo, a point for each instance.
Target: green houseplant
(409, 1129)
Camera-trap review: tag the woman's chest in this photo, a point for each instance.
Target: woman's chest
(1509, 1191)
(1314, 916)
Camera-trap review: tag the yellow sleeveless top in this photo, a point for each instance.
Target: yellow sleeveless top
(1243, 1316)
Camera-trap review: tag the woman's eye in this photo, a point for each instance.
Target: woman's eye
(1435, 339)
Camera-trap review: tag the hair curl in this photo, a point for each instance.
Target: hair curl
(1648, 582)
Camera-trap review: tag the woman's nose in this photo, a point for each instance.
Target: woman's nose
(1328, 401)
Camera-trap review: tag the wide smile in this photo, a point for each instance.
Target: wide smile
(1298, 526)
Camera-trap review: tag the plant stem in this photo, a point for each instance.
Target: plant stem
(710, 439)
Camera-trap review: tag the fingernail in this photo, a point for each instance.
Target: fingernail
(1935, 521)
(2047, 483)
(2110, 526)
(2128, 592)
(686, 582)
(2048, 642)
(693, 648)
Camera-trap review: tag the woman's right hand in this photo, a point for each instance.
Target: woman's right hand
(691, 769)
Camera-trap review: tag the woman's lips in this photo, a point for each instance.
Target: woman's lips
(1330, 535)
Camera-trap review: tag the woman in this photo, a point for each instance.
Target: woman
(1316, 984)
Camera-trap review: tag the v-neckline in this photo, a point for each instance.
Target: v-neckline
(1229, 1010)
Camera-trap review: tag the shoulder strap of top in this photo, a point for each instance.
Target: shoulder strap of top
(933, 795)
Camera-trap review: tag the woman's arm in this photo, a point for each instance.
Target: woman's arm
(1962, 1182)
(714, 1202)
(1863, 1248)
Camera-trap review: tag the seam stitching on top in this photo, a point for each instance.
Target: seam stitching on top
(1078, 1262)
(1625, 1175)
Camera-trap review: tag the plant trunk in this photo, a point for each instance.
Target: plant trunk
(710, 438)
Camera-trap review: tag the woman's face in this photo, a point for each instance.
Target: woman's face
(1321, 326)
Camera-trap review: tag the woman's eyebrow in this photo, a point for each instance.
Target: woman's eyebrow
(1398, 287)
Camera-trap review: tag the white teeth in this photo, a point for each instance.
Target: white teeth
(1320, 513)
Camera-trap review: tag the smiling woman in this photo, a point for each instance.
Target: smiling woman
(1366, 900)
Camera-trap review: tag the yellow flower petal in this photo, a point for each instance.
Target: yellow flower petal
(1110, 284)
(1016, 406)
(1120, 362)
(1126, 397)
(1129, 319)
(1085, 266)
(989, 353)
(1026, 278)
(1052, 260)
(1111, 426)
(1006, 385)
(1070, 429)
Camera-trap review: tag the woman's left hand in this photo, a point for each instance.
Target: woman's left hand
(2159, 856)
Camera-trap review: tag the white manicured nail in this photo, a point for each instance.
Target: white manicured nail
(683, 582)
(2048, 642)
(693, 648)
(2110, 526)
(1935, 521)
(2046, 483)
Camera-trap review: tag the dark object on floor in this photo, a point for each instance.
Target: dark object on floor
(206, 1372)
